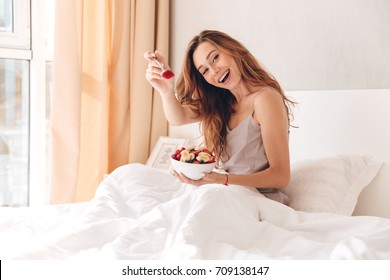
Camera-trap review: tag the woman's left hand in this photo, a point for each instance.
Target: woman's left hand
(209, 178)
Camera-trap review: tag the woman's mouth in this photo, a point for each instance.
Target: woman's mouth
(224, 76)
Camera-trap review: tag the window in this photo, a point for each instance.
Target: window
(15, 24)
(6, 22)
(14, 125)
(25, 86)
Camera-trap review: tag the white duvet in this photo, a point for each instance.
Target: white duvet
(143, 213)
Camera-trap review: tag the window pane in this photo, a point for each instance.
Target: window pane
(14, 136)
(6, 14)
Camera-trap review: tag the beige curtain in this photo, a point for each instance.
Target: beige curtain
(104, 113)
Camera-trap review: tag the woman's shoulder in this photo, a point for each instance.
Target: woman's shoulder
(267, 94)
(267, 101)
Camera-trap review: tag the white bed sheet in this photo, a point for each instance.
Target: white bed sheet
(143, 213)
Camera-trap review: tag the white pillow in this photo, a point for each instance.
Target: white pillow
(330, 184)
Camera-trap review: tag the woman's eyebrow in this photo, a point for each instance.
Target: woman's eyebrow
(207, 58)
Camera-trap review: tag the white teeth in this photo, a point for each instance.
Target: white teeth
(223, 76)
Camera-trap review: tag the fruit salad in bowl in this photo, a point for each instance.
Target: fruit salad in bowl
(193, 161)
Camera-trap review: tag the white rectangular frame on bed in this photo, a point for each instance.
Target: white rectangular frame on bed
(335, 122)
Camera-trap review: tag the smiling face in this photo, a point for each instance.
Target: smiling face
(217, 67)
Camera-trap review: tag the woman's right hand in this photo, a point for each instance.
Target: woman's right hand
(153, 74)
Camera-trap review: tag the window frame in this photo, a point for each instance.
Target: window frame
(38, 192)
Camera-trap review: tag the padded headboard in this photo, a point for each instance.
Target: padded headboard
(346, 121)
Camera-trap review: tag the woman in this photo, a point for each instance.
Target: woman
(243, 111)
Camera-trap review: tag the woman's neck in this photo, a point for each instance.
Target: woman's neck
(243, 90)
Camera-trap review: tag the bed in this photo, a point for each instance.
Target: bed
(339, 201)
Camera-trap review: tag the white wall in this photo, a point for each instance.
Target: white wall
(306, 44)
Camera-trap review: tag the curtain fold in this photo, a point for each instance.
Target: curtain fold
(104, 113)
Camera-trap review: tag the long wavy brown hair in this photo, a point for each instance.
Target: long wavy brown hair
(214, 105)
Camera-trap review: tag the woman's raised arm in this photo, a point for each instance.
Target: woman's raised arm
(175, 113)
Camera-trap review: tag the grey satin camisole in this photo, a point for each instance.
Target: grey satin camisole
(244, 147)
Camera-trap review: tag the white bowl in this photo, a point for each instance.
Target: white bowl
(191, 170)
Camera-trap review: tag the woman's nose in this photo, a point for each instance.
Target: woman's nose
(214, 70)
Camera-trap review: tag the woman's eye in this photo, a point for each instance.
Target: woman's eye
(215, 58)
(205, 71)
